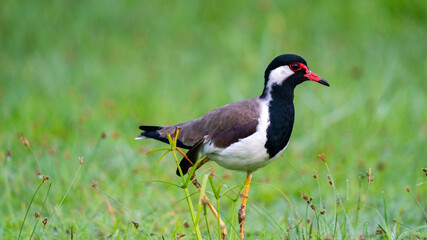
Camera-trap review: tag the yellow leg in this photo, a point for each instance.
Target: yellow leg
(242, 212)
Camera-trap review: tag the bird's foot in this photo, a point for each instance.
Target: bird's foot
(242, 217)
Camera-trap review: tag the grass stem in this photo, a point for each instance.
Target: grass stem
(41, 211)
(173, 143)
(28, 208)
(193, 215)
(63, 199)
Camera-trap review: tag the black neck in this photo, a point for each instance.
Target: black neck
(281, 113)
(284, 91)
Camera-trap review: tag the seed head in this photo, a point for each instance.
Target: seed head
(322, 156)
(135, 224)
(370, 177)
(330, 181)
(315, 174)
(425, 171)
(94, 184)
(44, 221)
(39, 173)
(37, 215)
(103, 135)
(81, 160)
(313, 207)
(24, 140)
(323, 212)
(45, 178)
(379, 232)
(212, 172)
(408, 189)
(179, 235)
(305, 197)
(186, 225)
(368, 173)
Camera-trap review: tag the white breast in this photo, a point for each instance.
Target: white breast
(247, 154)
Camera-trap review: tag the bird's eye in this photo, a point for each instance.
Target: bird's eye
(295, 66)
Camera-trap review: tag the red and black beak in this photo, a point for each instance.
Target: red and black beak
(314, 77)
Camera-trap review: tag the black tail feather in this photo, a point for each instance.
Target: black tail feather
(152, 132)
(193, 155)
(150, 128)
(184, 165)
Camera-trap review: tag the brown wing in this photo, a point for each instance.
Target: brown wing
(224, 125)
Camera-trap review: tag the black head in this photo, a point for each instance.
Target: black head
(290, 69)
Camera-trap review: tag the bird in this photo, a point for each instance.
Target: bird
(245, 135)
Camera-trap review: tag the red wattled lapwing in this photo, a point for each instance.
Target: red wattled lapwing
(245, 135)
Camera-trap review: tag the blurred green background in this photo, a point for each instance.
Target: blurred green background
(71, 70)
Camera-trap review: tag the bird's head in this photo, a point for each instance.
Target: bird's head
(289, 70)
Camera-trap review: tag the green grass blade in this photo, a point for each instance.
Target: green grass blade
(164, 154)
(385, 233)
(161, 181)
(63, 199)
(28, 208)
(157, 150)
(41, 211)
(385, 209)
(201, 197)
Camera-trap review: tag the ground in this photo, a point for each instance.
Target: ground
(78, 77)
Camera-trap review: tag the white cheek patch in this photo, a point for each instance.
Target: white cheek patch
(278, 75)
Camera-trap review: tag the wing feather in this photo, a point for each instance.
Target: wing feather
(224, 125)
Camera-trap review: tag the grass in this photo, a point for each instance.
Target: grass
(78, 77)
